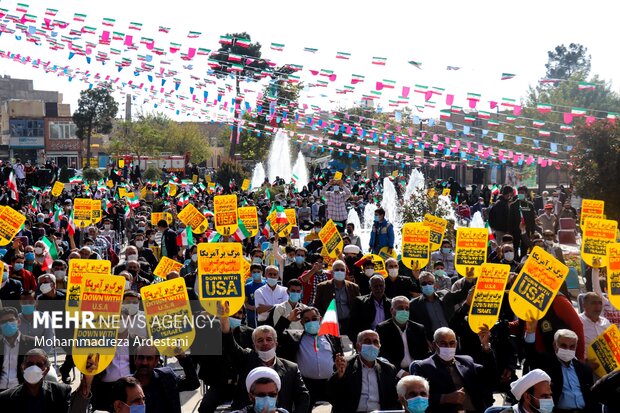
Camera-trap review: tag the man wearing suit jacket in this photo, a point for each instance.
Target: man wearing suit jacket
(293, 391)
(372, 309)
(363, 383)
(13, 346)
(403, 340)
(457, 383)
(434, 309)
(571, 380)
(169, 247)
(10, 289)
(343, 291)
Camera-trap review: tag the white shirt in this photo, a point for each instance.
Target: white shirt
(8, 377)
(369, 396)
(283, 310)
(137, 325)
(119, 367)
(266, 296)
(591, 329)
(406, 361)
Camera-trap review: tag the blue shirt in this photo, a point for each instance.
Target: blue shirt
(315, 364)
(571, 397)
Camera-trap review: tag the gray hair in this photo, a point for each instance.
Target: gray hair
(426, 274)
(52, 277)
(264, 329)
(442, 331)
(339, 262)
(391, 260)
(361, 334)
(565, 333)
(377, 277)
(38, 352)
(399, 299)
(401, 386)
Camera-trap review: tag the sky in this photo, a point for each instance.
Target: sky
(484, 38)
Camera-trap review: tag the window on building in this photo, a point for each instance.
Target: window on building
(62, 129)
(29, 128)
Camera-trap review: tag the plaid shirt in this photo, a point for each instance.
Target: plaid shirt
(336, 203)
(316, 280)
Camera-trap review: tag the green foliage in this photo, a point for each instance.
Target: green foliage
(92, 175)
(421, 204)
(183, 137)
(152, 173)
(565, 63)
(596, 164)
(227, 171)
(95, 113)
(141, 138)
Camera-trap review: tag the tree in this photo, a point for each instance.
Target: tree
(95, 114)
(184, 137)
(564, 63)
(227, 172)
(144, 137)
(241, 58)
(596, 164)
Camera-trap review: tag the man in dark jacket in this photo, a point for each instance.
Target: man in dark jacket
(521, 210)
(169, 247)
(21, 344)
(372, 309)
(500, 213)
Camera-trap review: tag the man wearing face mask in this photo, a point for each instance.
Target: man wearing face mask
(571, 380)
(403, 340)
(395, 284)
(382, 234)
(458, 383)
(533, 391)
(19, 273)
(298, 267)
(336, 194)
(293, 391)
(26, 320)
(133, 267)
(262, 385)
(10, 289)
(136, 320)
(169, 247)
(143, 251)
(47, 286)
(499, 213)
(371, 309)
(251, 286)
(128, 396)
(355, 240)
(35, 394)
(446, 256)
(13, 346)
(59, 269)
(267, 296)
(521, 211)
(292, 307)
(412, 393)
(365, 382)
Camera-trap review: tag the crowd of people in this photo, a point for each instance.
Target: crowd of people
(404, 342)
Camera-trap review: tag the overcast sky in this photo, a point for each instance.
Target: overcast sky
(484, 38)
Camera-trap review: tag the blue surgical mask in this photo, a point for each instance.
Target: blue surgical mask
(521, 197)
(18, 266)
(428, 289)
(440, 273)
(136, 408)
(9, 329)
(376, 218)
(339, 275)
(401, 316)
(294, 297)
(446, 250)
(40, 219)
(27, 309)
(234, 322)
(417, 404)
(29, 256)
(546, 405)
(257, 276)
(369, 352)
(265, 403)
(257, 261)
(299, 259)
(312, 327)
(272, 282)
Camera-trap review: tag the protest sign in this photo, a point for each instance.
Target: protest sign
(245, 185)
(249, 217)
(220, 280)
(471, 251)
(109, 183)
(445, 192)
(488, 296)
(591, 208)
(158, 216)
(95, 211)
(165, 266)
(82, 215)
(194, 179)
(613, 274)
(438, 229)
(169, 317)
(10, 223)
(278, 221)
(225, 211)
(597, 233)
(172, 189)
(122, 192)
(415, 245)
(78, 269)
(57, 188)
(605, 350)
(193, 218)
(536, 285)
(331, 239)
(156, 250)
(337, 176)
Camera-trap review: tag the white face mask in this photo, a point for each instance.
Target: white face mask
(139, 244)
(33, 374)
(127, 285)
(393, 272)
(38, 250)
(447, 353)
(369, 272)
(60, 275)
(107, 226)
(509, 256)
(132, 257)
(267, 355)
(194, 257)
(565, 355)
(46, 288)
(132, 308)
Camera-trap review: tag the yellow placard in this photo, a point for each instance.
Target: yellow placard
(387, 252)
(488, 296)
(121, 163)
(57, 188)
(379, 265)
(438, 229)
(101, 295)
(613, 274)
(278, 227)
(109, 184)
(395, 173)
(597, 233)
(193, 218)
(431, 192)
(172, 189)
(445, 192)
(158, 216)
(537, 284)
(10, 223)
(122, 192)
(471, 250)
(78, 269)
(95, 212)
(291, 217)
(416, 245)
(331, 239)
(225, 214)
(168, 315)
(337, 176)
(156, 251)
(249, 217)
(220, 276)
(82, 215)
(194, 179)
(165, 266)
(143, 193)
(591, 208)
(245, 185)
(605, 350)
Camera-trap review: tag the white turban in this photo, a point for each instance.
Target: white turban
(351, 249)
(532, 378)
(262, 373)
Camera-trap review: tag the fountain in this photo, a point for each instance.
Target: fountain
(279, 162)
(477, 221)
(366, 226)
(258, 176)
(300, 172)
(416, 183)
(354, 219)
(446, 203)
(390, 204)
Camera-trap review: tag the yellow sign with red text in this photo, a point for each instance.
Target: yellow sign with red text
(591, 208)
(416, 245)
(225, 211)
(471, 251)
(597, 233)
(438, 229)
(613, 274)
(165, 266)
(10, 223)
(488, 296)
(249, 217)
(331, 239)
(193, 218)
(605, 350)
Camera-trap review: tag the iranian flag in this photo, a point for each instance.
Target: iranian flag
(135, 26)
(493, 122)
(484, 115)
(193, 35)
(108, 21)
(310, 49)
(242, 232)
(127, 211)
(78, 17)
(578, 111)
(379, 61)
(277, 46)
(234, 57)
(163, 29)
(22, 8)
(544, 108)
(280, 215)
(586, 86)
(420, 89)
(506, 76)
(444, 114)
(213, 236)
(185, 238)
(544, 133)
(473, 96)
(49, 248)
(71, 225)
(12, 184)
(389, 84)
(226, 39)
(51, 12)
(509, 102)
(343, 55)
(355, 79)
(538, 123)
(329, 323)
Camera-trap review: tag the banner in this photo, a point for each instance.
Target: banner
(172, 189)
(338, 176)
(82, 215)
(158, 216)
(605, 350)
(488, 296)
(597, 233)
(445, 192)
(169, 318)
(591, 208)
(331, 239)
(613, 274)
(101, 295)
(245, 185)
(78, 269)
(277, 227)
(416, 245)
(95, 211)
(225, 211)
(10, 223)
(438, 229)
(165, 266)
(220, 276)
(249, 217)
(122, 192)
(536, 285)
(193, 218)
(57, 188)
(471, 251)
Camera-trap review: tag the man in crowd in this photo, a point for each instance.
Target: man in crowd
(382, 233)
(269, 295)
(533, 392)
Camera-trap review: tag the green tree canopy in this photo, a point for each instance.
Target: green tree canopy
(565, 63)
(95, 114)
